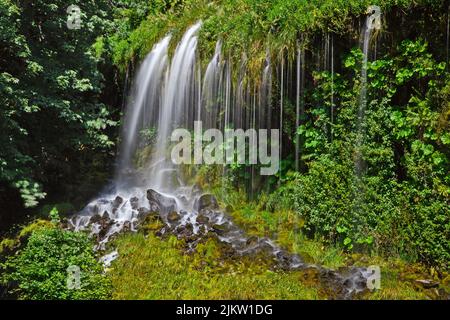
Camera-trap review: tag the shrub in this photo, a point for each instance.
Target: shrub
(40, 269)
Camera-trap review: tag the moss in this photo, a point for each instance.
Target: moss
(36, 225)
(149, 268)
(7, 244)
(250, 26)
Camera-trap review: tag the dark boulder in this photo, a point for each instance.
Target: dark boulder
(202, 219)
(117, 202)
(162, 203)
(206, 201)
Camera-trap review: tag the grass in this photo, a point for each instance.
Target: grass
(149, 268)
(152, 268)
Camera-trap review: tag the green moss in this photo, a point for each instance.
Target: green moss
(7, 244)
(149, 268)
(248, 26)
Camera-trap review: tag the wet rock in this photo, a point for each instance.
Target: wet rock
(252, 241)
(202, 219)
(173, 217)
(104, 228)
(126, 226)
(427, 284)
(206, 201)
(220, 229)
(162, 203)
(96, 218)
(162, 232)
(134, 202)
(117, 202)
(185, 231)
(147, 216)
(285, 260)
(265, 246)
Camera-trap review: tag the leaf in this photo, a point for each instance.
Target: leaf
(347, 241)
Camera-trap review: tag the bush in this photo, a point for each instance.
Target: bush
(40, 269)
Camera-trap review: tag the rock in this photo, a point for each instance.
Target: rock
(104, 228)
(134, 202)
(117, 202)
(96, 218)
(185, 231)
(101, 220)
(163, 203)
(220, 229)
(173, 217)
(252, 241)
(202, 219)
(205, 201)
(143, 213)
(126, 226)
(427, 284)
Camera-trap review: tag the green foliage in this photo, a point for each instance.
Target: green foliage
(39, 270)
(398, 205)
(50, 90)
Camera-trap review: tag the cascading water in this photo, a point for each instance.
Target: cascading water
(448, 36)
(332, 89)
(168, 95)
(145, 96)
(178, 89)
(373, 22)
(211, 85)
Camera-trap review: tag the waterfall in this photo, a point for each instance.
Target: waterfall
(300, 84)
(168, 94)
(266, 94)
(332, 89)
(373, 22)
(146, 95)
(281, 105)
(211, 86)
(177, 91)
(297, 111)
(448, 36)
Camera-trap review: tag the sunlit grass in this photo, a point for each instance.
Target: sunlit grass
(150, 268)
